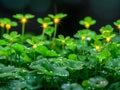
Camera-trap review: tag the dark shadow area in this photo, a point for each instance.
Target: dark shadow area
(104, 11)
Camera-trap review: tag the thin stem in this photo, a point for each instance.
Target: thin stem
(2, 31)
(34, 55)
(63, 48)
(50, 37)
(43, 33)
(10, 54)
(23, 30)
(96, 66)
(55, 31)
(83, 47)
(7, 31)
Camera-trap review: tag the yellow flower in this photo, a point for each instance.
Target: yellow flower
(83, 38)
(23, 20)
(108, 39)
(44, 25)
(63, 41)
(34, 46)
(8, 26)
(56, 20)
(2, 25)
(87, 25)
(118, 27)
(97, 47)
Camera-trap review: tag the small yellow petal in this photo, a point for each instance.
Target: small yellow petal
(23, 20)
(44, 25)
(87, 25)
(108, 39)
(83, 38)
(97, 47)
(8, 26)
(34, 46)
(56, 20)
(118, 27)
(2, 25)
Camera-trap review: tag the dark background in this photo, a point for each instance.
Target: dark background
(104, 11)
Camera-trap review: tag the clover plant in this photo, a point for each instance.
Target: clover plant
(45, 22)
(87, 22)
(85, 61)
(23, 19)
(56, 19)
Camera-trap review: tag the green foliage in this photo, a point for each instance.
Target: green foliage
(73, 86)
(87, 22)
(20, 16)
(45, 20)
(106, 29)
(95, 83)
(86, 61)
(58, 15)
(117, 23)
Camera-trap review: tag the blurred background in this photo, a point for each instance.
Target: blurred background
(104, 11)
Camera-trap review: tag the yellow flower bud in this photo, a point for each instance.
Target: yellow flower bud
(56, 20)
(23, 20)
(87, 25)
(2, 25)
(97, 47)
(8, 26)
(45, 25)
(108, 39)
(34, 46)
(118, 27)
(63, 41)
(83, 38)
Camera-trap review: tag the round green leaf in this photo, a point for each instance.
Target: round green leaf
(18, 16)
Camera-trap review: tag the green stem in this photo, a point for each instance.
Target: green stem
(96, 66)
(50, 37)
(23, 30)
(83, 47)
(34, 55)
(10, 54)
(63, 48)
(7, 31)
(55, 31)
(2, 31)
(43, 33)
